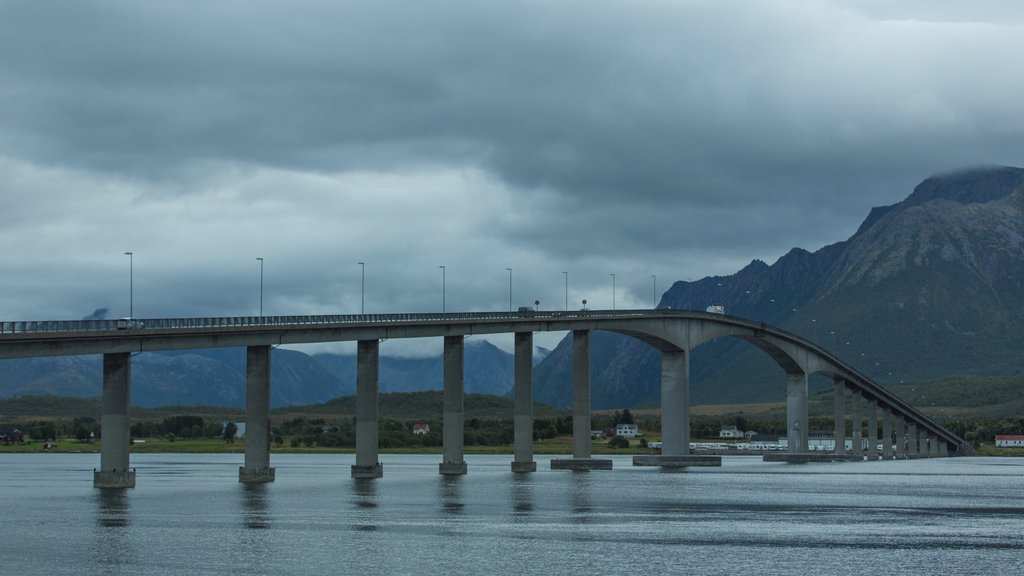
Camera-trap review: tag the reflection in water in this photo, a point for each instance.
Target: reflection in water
(364, 498)
(522, 495)
(254, 506)
(450, 492)
(582, 502)
(113, 520)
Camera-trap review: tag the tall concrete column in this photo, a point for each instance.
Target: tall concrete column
(887, 441)
(922, 449)
(943, 448)
(901, 437)
(857, 430)
(257, 468)
(796, 413)
(912, 440)
(115, 427)
(581, 459)
(675, 403)
(581, 393)
(839, 416)
(523, 409)
(367, 428)
(872, 429)
(453, 462)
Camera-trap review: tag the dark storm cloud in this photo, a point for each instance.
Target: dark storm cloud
(689, 136)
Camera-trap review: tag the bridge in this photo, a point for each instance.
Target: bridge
(906, 431)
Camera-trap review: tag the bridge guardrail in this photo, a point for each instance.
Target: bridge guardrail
(152, 324)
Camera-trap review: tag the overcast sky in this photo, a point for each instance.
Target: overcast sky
(672, 138)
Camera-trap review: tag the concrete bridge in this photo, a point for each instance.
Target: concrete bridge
(906, 432)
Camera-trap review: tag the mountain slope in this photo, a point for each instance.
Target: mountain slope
(930, 287)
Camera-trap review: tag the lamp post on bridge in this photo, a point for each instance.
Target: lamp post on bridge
(566, 291)
(509, 289)
(260, 259)
(131, 284)
(442, 288)
(613, 291)
(362, 287)
(654, 291)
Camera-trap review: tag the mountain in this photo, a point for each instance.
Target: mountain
(487, 369)
(927, 288)
(216, 377)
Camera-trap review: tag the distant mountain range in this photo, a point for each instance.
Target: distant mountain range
(216, 377)
(930, 287)
(927, 288)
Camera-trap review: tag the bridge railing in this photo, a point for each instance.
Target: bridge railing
(259, 322)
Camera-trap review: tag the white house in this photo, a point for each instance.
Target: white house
(627, 430)
(1009, 441)
(730, 431)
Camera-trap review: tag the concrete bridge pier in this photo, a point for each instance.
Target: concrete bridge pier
(857, 430)
(922, 449)
(901, 437)
(454, 462)
(523, 408)
(872, 429)
(367, 427)
(840, 417)
(796, 413)
(943, 449)
(675, 417)
(581, 459)
(115, 427)
(887, 441)
(257, 468)
(912, 444)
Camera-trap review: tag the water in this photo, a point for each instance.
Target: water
(189, 515)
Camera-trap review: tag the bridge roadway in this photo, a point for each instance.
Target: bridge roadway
(906, 432)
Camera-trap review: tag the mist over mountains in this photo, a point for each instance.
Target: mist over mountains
(932, 286)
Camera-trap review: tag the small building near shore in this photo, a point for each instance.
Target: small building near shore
(1009, 441)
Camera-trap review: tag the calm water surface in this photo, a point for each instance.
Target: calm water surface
(189, 515)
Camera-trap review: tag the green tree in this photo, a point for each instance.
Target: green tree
(230, 430)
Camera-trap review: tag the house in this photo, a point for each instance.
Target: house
(1009, 441)
(627, 430)
(730, 431)
(420, 429)
(10, 435)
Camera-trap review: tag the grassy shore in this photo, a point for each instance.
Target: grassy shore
(558, 445)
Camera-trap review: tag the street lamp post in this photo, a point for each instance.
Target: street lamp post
(509, 289)
(261, 287)
(442, 288)
(613, 291)
(362, 287)
(566, 291)
(654, 291)
(131, 284)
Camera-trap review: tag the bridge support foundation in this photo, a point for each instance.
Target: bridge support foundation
(857, 427)
(675, 403)
(839, 416)
(887, 441)
(257, 468)
(114, 424)
(523, 409)
(872, 429)
(454, 462)
(901, 437)
(581, 452)
(912, 443)
(796, 413)
(367, 430)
